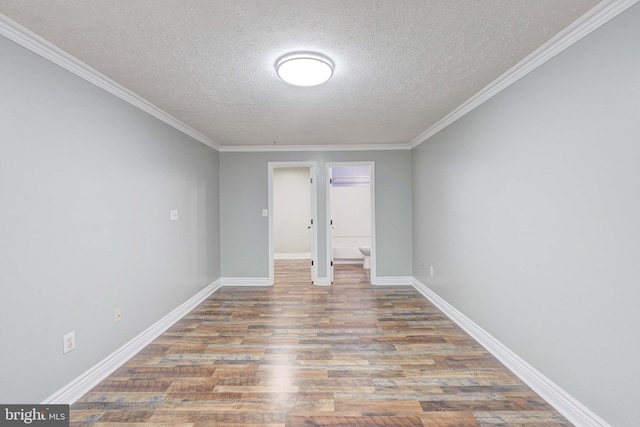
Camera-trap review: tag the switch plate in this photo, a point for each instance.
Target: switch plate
(174, 215)
(265, 212)
(431, 270)
(69, 342)
(118, 315)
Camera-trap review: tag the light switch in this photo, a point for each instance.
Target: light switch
(265, 212)
(174, 215)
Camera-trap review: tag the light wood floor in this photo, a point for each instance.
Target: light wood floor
(299, 355)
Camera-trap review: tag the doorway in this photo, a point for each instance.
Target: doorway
(351, 216)
(292, 216)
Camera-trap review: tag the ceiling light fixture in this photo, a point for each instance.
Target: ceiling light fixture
(304, 68)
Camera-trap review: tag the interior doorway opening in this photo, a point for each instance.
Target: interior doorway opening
(350, 217)
(292, 218)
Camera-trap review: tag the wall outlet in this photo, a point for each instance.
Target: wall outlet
(118, 315)
(422, 264)
(69, 342)
(173, 215)
(431, 270)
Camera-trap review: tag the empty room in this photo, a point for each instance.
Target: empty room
(319, 213)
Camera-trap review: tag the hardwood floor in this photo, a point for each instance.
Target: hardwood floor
(299, 355)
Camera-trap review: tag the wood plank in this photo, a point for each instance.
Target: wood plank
(297, 355)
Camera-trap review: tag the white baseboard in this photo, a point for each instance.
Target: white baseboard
(92, 377)
(562, 401)
(246, 281)
(348, 261)
(301, 255)
(322, 281)
(392, 281)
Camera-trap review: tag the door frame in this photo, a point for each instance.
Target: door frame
(313, 210)
(329, 237)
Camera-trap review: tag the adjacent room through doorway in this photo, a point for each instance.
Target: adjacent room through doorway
(350, 213)
(291, 216)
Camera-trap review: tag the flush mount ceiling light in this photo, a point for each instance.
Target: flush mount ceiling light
(304, 68)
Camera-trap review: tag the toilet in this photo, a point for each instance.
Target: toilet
(366, 251)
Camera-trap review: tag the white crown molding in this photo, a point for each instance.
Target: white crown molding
(596, 17)
(246, 281)
(393, 281)
(267, 148)
(36, 44)
(562, 401)
(92, 377)
(590, 21)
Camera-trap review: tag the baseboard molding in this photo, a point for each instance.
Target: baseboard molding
(302, 255)
(562, 401)
(322, 281)
(246, 281)
(392, 281)
(348, 261)
(92, 377)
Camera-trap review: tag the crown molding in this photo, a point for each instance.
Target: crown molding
(587, 23)
(267, 148)
(36, 44)
(596, 17)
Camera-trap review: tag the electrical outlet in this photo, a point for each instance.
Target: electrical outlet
(69, 342)
(431, 270)
(173, 215)
(422, 264)
(118, 315)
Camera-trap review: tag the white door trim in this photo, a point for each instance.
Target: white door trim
(314, 214)
(372, 189)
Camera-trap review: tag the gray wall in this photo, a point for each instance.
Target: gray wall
(86, 185)
(529, 210)
(243, 194)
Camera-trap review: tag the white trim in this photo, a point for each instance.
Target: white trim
(301, 255)
(562, 401)
(246, 281)
(269, 148)
(92, 377)
(393, 281)
(36, 44)
(587, 23)
(348, 261)
(322, 281)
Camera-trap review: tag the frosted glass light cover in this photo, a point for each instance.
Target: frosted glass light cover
(304, 69)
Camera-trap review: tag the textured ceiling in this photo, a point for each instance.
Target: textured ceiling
(400, 65)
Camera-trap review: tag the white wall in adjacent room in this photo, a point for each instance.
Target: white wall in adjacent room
(291, 211)
(351, 215)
